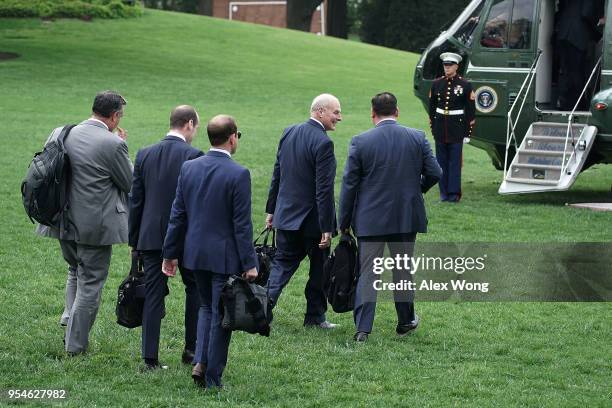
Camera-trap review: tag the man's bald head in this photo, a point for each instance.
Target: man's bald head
(185, 120)
(322, 101)
(326, 109)
(220, 128)
(181, 115)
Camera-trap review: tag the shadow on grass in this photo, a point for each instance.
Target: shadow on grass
(4, 56)
(560, 198)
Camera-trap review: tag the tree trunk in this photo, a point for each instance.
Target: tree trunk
(336, 24)
(299, 13)
(205, 7)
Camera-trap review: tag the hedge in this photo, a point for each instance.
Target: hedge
(406, 24)
(69, 8)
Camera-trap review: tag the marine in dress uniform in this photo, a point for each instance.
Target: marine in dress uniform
(452, 114)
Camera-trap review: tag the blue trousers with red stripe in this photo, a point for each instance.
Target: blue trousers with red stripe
(449, 156)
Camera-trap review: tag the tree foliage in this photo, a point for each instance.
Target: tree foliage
(405, 24)
(299, 13)
(337, 24)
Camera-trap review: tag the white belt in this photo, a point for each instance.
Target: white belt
(450, 112)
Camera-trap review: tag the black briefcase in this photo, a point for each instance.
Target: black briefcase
(265, 254)
(341, 275)
(245, 307)
(130, 296)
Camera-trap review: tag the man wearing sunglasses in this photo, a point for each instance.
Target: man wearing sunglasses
(210, 229)
(452, 117)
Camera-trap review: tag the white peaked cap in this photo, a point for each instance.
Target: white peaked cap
(451, 57)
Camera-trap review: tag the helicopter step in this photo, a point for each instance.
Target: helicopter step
(549, 158)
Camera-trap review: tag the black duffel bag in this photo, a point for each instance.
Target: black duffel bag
(245, 307)
(265, 254)
(341, 274)
(131, 294)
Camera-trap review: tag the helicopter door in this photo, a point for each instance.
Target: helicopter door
(544, 77)
(503, 54)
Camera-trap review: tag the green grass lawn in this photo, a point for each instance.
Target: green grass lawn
(476, 354)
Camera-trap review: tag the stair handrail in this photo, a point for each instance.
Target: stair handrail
(510, 135)
(570, 120)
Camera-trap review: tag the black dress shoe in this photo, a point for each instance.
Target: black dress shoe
(323, 325)
(404, 329)
(187, 357)
(151, 365)
(360, 337)
(198, 373)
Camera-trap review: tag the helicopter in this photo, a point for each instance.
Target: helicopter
(510, 59)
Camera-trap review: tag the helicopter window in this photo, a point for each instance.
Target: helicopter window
(495, 31)
(519, 36)
(465, 33)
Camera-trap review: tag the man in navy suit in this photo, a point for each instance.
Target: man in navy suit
(387, 171)
(156, 173)
(301, 205)
(210, 228)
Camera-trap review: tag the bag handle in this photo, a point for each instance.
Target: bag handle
(137, 264)
(273, 237)
(348, 238)
(266, 233)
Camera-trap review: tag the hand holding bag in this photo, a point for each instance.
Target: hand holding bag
(265, 255)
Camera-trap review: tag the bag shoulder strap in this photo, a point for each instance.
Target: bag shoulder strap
(64, 133)
(64, 191)
(229, 302)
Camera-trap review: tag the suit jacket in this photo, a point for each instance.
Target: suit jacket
(301, 193)
(101, 177)
(577, 22)
(387, 171)
(211, 216)
(156, 171)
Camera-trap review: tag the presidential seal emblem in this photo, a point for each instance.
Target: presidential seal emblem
(486, 99)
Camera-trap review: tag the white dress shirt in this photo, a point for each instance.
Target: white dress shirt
(176, 134)
(213, 149)
(318, 122)
(99, 121)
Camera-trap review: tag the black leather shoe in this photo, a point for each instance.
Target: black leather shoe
(323, 325)
(154, 365)
(187, 357)
(404, 329)
(360, 337)
(198, 373)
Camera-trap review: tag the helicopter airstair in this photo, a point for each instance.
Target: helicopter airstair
(547, 160)
(552, 154)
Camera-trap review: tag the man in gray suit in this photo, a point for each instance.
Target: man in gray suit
(387, 171)
(96, 218)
